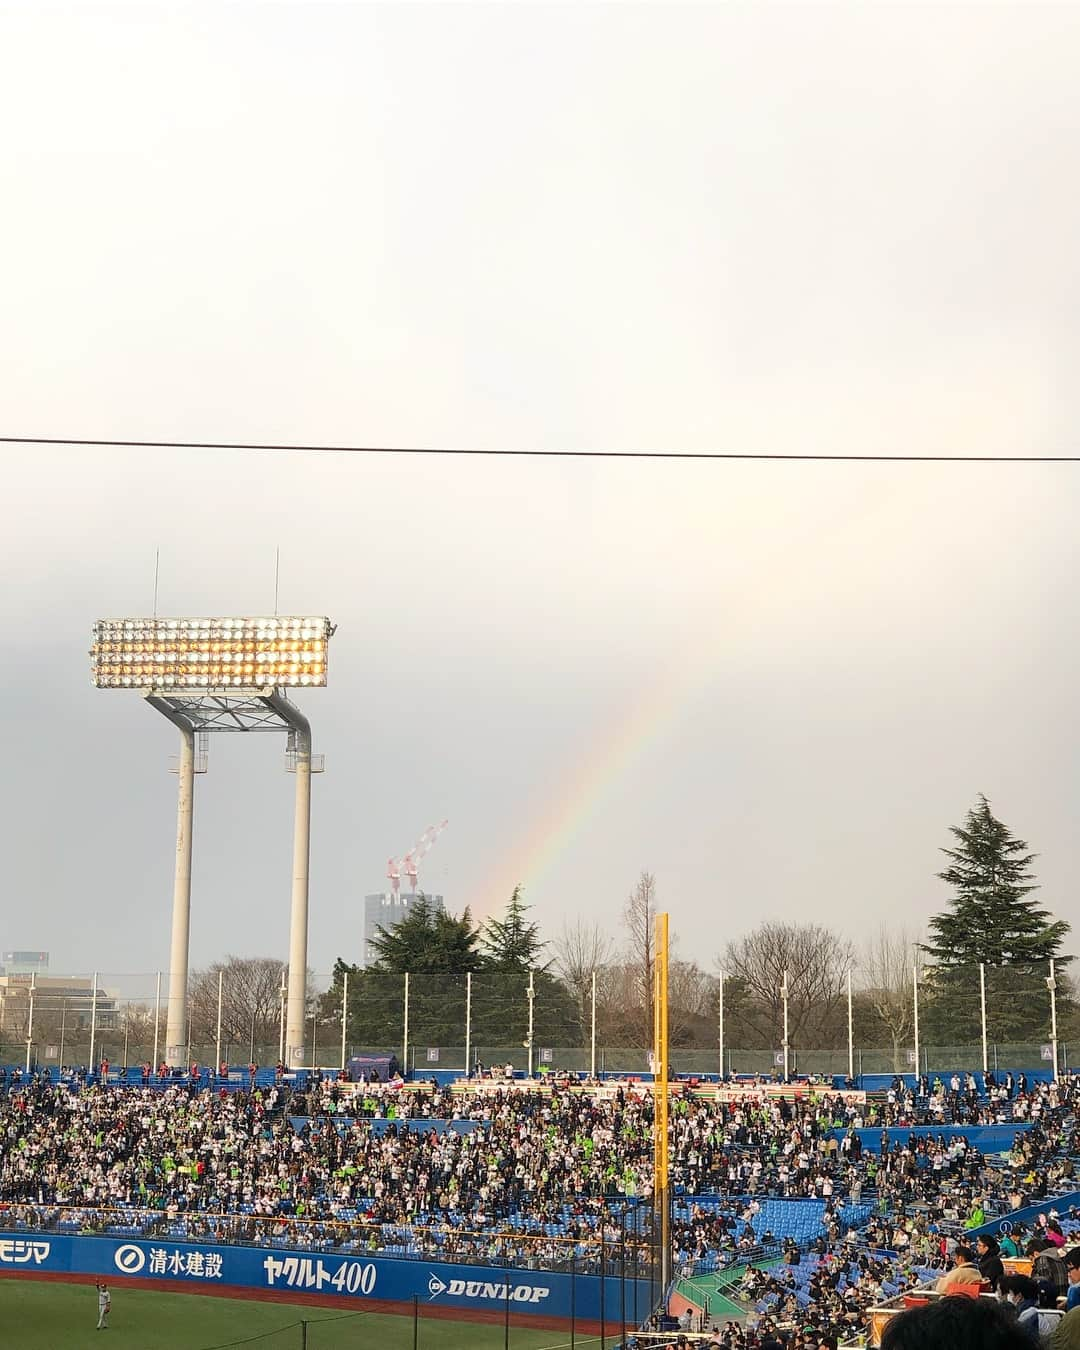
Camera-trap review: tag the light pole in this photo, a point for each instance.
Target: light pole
(786, 1047)
(217, 675)
(720, 1028)
(1051, 984)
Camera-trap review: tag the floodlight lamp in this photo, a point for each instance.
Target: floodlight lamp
(207, 654)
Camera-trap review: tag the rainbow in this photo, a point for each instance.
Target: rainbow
(627, 735)
(854, 520)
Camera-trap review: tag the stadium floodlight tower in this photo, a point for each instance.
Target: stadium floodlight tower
(224, 675)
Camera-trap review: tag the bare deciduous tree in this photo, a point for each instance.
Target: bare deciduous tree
(581, 949)
(886, 964)
(639, 913)
(250, 1001)
(691, 1003)
(816, 962)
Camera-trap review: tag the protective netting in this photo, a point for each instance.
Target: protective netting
(437, 1022)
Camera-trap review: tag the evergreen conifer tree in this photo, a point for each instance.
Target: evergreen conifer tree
(992, 919)
(513, 949)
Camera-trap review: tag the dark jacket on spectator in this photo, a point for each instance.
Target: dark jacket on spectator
(991, 1268)
(1049, 1270)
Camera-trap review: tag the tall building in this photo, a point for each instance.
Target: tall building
(385, 910)
(67, 998)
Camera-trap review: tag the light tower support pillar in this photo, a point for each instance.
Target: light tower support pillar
(176, 1021)
(300, 746)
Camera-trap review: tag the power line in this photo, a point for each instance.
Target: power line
(463, 451)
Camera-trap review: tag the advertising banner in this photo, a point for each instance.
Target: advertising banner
(488, 1289)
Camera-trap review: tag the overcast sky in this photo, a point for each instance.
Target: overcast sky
(845, 228)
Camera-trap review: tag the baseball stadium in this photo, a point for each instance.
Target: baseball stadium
(186, 1200)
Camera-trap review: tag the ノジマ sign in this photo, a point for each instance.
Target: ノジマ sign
(551, 1295)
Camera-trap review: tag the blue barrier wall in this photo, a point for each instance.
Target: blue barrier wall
(986, 1138)
(879, 1082)
(550, 1295)
(1024, 1218)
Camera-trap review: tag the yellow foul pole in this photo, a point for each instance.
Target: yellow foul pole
(660, 1097)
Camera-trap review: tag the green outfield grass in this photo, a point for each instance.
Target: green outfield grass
(37, 1315)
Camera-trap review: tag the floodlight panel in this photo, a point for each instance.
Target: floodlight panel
(210, 654)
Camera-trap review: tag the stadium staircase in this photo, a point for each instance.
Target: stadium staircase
(712, 1293)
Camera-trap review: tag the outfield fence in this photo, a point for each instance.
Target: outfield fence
(508, 1293)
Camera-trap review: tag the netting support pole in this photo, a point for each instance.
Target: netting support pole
(93, 1021)
(217, 1040)
(30, 1020)
(344, 1016)
(281, 1018)
(157, 1024)
(982, 1016)
(303, 1336)
(573, 1299)
(531, 997)
(592, 1033)
(405, 1037)
(622, 1275)
(661, 1149)
(415, 1321)
(850, 1032)
(603, 1289)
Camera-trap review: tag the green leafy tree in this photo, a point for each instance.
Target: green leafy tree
(993, 919)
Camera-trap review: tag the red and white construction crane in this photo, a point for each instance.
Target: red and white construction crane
(410, 863)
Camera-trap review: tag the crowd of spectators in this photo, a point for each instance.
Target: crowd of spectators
(540, 1176)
